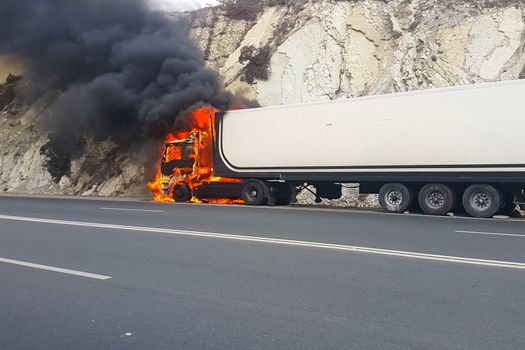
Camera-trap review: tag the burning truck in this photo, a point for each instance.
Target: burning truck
(436, 151)
(186, 172)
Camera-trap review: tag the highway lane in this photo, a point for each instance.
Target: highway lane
(434, 235)
(177, 291)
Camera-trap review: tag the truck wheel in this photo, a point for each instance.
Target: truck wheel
(254, 193)
(436, 199)
(395, 197)
(481, 200)
(182, 193)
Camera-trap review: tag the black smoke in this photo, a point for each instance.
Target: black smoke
(116, 69)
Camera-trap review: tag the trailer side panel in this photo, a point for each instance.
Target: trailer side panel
(451, 133)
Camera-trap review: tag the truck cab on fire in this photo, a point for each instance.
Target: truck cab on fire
(178, 161)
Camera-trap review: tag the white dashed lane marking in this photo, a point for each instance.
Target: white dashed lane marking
(491, 233)
(132, 209)
(54, 269)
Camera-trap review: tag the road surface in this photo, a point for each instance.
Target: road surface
(94, 274)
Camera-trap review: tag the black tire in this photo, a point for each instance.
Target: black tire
(182, 193)
(254, 192)
(482, 200)
(436, 199)
(395, 197)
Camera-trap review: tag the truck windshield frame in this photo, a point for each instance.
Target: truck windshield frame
(183, 159)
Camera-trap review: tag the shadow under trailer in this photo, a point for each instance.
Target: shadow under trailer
(436, 151)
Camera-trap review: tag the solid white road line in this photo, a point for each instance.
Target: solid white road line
(491, 233)
(54, 269)
(286, 242)
(132, 209)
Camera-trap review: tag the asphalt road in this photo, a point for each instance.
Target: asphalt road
(90, 274)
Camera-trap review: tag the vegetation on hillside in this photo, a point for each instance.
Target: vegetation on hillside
(257, 63)
(249, 10)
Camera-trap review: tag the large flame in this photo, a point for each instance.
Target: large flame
(200, 121)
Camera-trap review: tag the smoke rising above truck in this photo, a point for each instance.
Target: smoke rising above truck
(110, 69)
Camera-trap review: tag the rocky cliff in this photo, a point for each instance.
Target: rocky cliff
(316, 51)
(335, 49)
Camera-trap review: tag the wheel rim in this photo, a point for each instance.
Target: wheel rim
(394, 197)
(252, 193)
(481, 201)
(435, 199)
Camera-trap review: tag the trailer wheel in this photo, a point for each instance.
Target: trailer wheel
(436, 199)
(254, 193)
(182, 193)
(482, 200)
(395, 197)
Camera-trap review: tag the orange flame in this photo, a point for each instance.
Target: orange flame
(201, 123)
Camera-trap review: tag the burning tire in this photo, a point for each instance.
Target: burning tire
(254, 193)
(182, 193)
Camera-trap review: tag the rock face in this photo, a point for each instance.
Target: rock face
(100, 171)
(322, 51)
(337, 49)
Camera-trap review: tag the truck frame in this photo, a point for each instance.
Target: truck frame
(436, 151)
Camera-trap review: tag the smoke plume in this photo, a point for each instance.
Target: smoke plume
(116, 69)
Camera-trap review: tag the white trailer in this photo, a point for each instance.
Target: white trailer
(432, 149)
